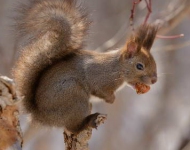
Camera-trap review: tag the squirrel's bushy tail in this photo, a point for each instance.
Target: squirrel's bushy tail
(53, 29)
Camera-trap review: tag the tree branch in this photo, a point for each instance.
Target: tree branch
(77, 142)
(10, 132)
(168, 23)
(149, 8)
(133, 12)
(80, 141)
(174, 17)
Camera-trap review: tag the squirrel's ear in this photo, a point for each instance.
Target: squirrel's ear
(130, 49)
(151, 31)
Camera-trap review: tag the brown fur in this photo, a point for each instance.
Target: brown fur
(57, 78)
(55, 29)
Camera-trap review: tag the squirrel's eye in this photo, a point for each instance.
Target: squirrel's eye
(140, 66)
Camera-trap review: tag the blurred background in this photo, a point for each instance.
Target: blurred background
(158, 120)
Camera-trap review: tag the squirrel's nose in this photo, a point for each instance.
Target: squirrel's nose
(153, 80)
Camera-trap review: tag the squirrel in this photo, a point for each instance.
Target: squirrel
(56, 76)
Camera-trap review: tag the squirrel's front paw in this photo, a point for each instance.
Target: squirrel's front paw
(110, 99)
(96, 119)
(100, 119)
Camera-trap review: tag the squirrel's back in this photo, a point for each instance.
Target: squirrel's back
(51, 30)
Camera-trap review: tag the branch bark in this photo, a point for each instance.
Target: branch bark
(10, 131)
(80, 141)
(77, 142)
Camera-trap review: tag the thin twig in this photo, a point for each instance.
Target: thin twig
(133, 12)
(166, 23)
(173, 18)
(170, 37)
(149, 7)
(172, 47)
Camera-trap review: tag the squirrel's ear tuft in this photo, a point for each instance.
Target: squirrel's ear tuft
(144, 35)
(130, 49)
(151, 31)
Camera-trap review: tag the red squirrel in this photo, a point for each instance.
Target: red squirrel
(56, 76)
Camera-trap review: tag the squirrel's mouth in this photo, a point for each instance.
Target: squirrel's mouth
(140, 87)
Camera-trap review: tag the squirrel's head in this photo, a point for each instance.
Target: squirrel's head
(138, 63)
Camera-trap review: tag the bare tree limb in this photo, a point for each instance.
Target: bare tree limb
(173, 18)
